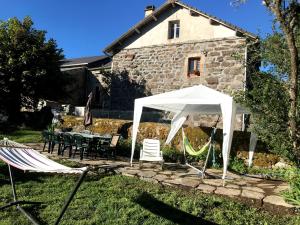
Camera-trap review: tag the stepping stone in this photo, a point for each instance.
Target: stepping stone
(206, 188)
(166, 172)
(240, 182)
(172, 182)
(251, 188)
(252, 180)
(277, 200)
(190, 182)
(178, 175)
(227, 191)
(232, 186)
(233, 175)
(213, 182)
(130, 173)
(252, 194)
(161, 177)
(281, 188)
(265, 185)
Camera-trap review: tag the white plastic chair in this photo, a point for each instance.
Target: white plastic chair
(151, 152)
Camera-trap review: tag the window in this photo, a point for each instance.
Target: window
(194, 66)
(174, 29)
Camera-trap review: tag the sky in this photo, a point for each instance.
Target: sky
(85, 27)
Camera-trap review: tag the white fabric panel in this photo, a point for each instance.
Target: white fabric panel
(31, 160)
(138, 109)
(229, 112)
(176, 124)
(252, 146)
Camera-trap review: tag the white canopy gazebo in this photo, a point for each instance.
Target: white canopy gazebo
(188, 101)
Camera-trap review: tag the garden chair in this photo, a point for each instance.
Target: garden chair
(103, 146)
(27, 159)
(151, 152)
(80, 144)
(56, 139)
(67, 142)
(46, 135)
(113, 144)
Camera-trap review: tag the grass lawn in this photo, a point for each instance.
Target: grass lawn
(23, 136)
(124, 200)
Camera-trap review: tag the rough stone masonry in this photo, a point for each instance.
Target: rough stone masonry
(164, 67)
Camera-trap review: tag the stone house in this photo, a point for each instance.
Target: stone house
(176, 46)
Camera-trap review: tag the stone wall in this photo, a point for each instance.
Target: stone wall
(165, 67)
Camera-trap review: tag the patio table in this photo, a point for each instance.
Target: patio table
(91, 137)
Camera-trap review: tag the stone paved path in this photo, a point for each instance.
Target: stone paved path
(258, 192)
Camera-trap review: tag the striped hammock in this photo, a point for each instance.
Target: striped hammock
(27, 159)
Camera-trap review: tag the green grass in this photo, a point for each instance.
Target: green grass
(23, 136)
(125, 200)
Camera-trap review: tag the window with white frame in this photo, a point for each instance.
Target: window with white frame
(174, 29)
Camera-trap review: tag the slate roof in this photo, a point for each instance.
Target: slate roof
(160, 10)
(85, 61)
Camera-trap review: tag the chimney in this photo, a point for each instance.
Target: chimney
(149, 10)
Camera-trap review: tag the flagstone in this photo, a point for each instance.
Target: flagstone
(251, 188)
(206, 188)
(276, 200)
(214, 182)
(227, 191)
(252, 194)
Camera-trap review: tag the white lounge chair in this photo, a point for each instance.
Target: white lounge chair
(151, 152)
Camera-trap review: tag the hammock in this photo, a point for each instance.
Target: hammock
(27, 159)
(189, 148)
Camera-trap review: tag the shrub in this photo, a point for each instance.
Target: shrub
(170, 154)
(238, 165)
(293, 194)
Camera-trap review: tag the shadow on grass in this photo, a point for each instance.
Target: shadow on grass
(168, 212)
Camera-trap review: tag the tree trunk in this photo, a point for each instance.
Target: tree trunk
(293, 92)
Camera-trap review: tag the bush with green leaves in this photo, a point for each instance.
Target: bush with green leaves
(268, 102)
(293, 194)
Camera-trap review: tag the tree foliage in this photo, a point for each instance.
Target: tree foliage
(29, 66)
(274, 95)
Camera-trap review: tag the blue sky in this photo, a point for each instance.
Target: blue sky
(86, 27)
